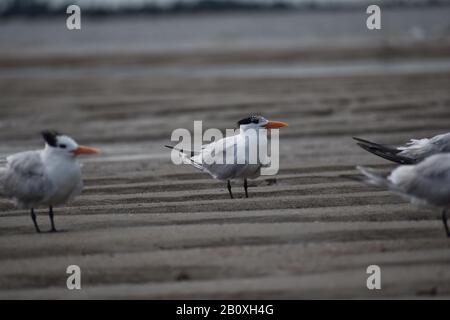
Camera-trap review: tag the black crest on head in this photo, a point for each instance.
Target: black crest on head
(50, 136)
(251, 119)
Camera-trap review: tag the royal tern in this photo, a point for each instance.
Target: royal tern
(426, 183)
(47, 177)
(234, 145)
(412, 152)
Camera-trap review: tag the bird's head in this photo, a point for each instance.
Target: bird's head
(256, 122)
(64, 145)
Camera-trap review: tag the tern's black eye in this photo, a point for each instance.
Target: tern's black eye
(62, 146)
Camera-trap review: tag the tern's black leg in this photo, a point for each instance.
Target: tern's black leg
(33, 217)
(50, 214)
(229, 188)
(245, 188)
(444, 220)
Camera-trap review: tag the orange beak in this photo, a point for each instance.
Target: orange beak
(275, 125)
(84, 150)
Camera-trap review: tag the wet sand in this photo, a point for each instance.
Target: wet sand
(144, 228)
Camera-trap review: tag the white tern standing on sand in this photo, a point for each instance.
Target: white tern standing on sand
(412, 152)
(47, 177)
(237, 151)
(426, 183)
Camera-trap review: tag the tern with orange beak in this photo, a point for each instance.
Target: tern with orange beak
(238, 148)
(47, 177)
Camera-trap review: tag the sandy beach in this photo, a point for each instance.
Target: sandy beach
(145, 228)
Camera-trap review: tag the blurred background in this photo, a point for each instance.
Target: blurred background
(146, 228)
(127, 49)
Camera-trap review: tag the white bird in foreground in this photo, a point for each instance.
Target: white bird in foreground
(412, 152)
(234, 145)
(47, 177)
(427, 183)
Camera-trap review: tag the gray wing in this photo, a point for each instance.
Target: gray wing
(24, 178)
(429, 180)
(423, 148)
(219, 150)
(441, 143)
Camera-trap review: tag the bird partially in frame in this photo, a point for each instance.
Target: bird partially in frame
(234, 145)
(425, 184)
(47, 177)
(412, 152)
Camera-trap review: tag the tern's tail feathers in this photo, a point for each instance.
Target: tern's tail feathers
(369, 176)
(186, 152)
(188, 157)
(387, 152)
